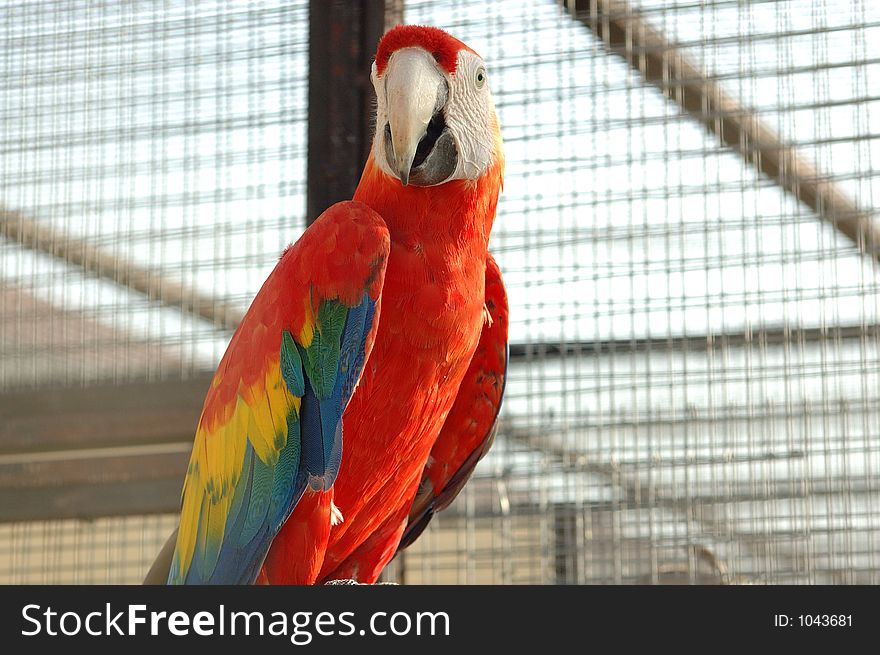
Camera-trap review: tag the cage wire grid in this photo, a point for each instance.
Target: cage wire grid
(694, 392)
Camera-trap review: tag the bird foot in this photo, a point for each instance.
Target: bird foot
(348, 583)
(335, 515)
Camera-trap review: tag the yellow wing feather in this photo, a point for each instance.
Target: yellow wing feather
(259, 415)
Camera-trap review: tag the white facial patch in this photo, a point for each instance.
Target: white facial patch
(469, 113)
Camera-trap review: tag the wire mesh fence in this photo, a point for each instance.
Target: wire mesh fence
(685, 233)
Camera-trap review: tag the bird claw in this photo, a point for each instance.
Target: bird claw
(487, 317)
(349, 583)
(335, 515)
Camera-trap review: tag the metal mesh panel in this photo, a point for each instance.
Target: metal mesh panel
(115, 550)
(160, 145)
(693, 395)
(156, 141)
(700, 416)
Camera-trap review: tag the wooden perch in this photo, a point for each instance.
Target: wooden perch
(625, 32)
(52, 240)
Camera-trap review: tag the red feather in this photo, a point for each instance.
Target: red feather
(472, 417)
(432, 317)
(259, 337)
(444, 47)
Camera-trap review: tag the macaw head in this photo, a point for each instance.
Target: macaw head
(435, 118)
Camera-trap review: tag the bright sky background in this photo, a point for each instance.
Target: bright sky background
(620, 218)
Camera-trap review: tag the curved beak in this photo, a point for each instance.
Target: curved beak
(412, 93)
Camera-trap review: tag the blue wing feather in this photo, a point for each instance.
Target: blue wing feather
(322, 416)
(272, 421)
(267, 493)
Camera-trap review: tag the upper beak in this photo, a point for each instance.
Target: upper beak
(412, 85)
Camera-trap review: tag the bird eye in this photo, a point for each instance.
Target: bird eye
(480, 78)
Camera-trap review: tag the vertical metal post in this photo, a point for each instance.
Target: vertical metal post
(394, 10)
(343, 35)
(342, 41)
(565, 528)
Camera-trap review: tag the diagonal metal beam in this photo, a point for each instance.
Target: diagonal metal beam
(625, 32)
(102, 263)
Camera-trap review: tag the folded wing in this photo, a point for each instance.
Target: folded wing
(470, 426)
(272, 420)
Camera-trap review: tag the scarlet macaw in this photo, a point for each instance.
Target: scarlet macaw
(386, 322)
